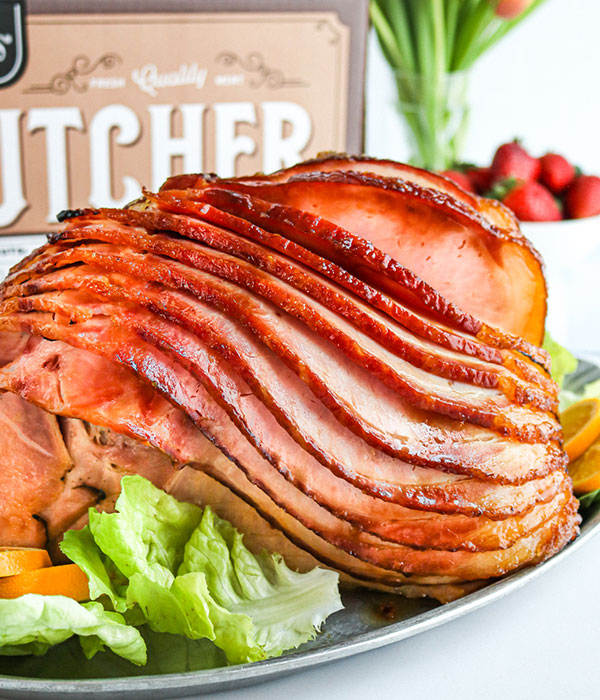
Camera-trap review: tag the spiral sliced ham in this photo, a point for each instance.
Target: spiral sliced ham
(474, 254)
(263, 345)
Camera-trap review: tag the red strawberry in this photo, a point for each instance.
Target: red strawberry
(481, 178)
(556, 172)
(531, 201)
(512, 160)
(461, 179)
(583, 197)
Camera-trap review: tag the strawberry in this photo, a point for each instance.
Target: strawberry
(481, 178)
(512, 160)
(531, 201)
(583, 197)
(556, 172)
(459, 178)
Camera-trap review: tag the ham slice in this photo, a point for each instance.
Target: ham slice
(424, 390)
(460, 449)
(30, 444)
(95, 453)
(429, 566)
(291, 287)
(292, 224)
(390, 481)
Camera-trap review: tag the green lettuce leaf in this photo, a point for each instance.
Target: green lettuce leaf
(180, 569)
(32, 623)
(168, 610)
(167, 653)
(103, 576)
(563, 362)
(187, 572)
(592, 390)
(148, 533)
(234, 633)
(589, 500)
(285, 608)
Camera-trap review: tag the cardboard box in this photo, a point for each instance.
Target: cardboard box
(98, 99)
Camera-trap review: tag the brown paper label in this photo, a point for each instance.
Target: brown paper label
(110, 103)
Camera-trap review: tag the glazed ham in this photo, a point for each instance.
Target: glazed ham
(304, 352)
(474, 254)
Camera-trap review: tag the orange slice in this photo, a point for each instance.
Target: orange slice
(68, 580)
(585, 470)
(16, 560)
(581, 426)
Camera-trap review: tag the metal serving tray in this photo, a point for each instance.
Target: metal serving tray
(369, 620)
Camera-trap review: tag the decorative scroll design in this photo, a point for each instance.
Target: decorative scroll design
(5, 40)
(71, 79)
(254, 63)
(335, 35)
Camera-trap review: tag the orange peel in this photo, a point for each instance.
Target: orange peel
(585, 470)
(67, 579)
(16, 560)
(581, 426)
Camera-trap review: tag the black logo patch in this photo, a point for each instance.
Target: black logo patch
(13, 41)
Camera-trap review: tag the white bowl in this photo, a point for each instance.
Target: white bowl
(571, 253)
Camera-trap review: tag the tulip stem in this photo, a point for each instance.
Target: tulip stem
(430, 44)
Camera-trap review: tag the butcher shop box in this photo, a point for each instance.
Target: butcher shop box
(98, 99)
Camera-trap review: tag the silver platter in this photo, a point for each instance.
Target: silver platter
(369, 620)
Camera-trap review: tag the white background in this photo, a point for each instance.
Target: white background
(541, 83)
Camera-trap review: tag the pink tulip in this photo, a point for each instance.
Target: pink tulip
(509, 9)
